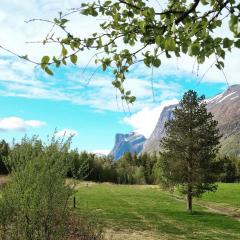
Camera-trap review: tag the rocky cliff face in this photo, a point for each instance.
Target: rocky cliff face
(225, 108)
(152, 143)
(131, 142)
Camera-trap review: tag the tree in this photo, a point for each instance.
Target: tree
(4, 151)
(137, 31)
(189, 148)
(229, 170)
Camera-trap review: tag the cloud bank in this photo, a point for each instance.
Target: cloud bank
(21, 79)
(18, 124)
(144, 121)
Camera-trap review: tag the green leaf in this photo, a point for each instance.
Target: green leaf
(159, 40)
(142, 25)
(233, 24)
(169, 44)
(227, 43)
(64, 61)
(132, 99)
(147, 61)
(48, 71)
(237, 43)
(44, 61)
(64, 51)
(194, 49)
(204, 2)
(156, 62)
(94, 13)
(200, 59)
(106, 3)
(218, 23)
(63, 21)
(184, 47)
(74, 58)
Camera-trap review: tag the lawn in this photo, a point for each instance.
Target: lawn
(145, 212)
(228, 194)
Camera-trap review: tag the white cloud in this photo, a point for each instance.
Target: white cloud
(19, 78)
(101, 151)
(18, 124)
(144, 121)
(66, 132)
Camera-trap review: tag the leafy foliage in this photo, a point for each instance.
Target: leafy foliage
(230, 169)
(34, 202)
(136, 32)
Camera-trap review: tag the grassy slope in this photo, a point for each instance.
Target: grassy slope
(230, 145)
(139, 208)
(228, 194)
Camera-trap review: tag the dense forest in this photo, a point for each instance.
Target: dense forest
(130, 169)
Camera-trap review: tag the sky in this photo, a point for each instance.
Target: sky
(74, 101)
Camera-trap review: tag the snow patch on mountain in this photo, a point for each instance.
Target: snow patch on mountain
(225, 97)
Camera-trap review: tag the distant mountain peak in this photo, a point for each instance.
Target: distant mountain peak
(129, 142)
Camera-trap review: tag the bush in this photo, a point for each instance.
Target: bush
(34, 202)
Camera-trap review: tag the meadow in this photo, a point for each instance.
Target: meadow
(147, 212)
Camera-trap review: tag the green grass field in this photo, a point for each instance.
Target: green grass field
(145, 212)
(228, 194)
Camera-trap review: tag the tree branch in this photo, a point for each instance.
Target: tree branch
(184, 15)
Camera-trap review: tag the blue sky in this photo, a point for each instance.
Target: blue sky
(95, 126)
(34, 103)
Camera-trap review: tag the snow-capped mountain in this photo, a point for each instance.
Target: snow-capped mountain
(225, 108)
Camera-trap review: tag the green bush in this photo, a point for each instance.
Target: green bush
(34, 202)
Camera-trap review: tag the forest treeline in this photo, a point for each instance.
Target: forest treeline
(129, 169)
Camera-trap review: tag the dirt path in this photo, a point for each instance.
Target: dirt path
(133, 235)
(215, 208)
(221, 209)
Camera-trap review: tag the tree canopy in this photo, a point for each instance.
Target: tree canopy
(135, 31)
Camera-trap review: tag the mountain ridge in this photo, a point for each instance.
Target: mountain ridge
(225, 109)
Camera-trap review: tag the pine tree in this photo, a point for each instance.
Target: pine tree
(190, 147)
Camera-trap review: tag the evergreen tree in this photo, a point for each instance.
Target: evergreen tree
(4, 151)
(190, 147)
(229, 170)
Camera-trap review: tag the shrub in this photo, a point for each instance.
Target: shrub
(34, 202)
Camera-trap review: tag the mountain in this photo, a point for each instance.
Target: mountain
(131, 142)
(153, 141)
(225, 108)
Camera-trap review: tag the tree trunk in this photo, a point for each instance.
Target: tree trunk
(189, 202)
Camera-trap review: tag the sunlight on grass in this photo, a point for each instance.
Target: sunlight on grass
(143, 209)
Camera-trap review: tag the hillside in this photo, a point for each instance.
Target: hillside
(225, 108)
